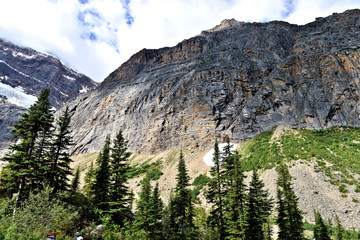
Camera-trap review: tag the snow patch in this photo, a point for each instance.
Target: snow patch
(22, 55)
(83, 90)
(1, 61)
(208, 158)
(17, 95)
(70, 78)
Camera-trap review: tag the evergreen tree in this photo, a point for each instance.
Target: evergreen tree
(235, 207)
(102, 178)
(26, 170)
(320, 230)
(59, 158)
(119, 191)
(289, 217)
(156, 213)
(89, 180)
(215, 194)
(181, 207)
(74, 186)
(258, 207)
(339, 231)
(143, 220)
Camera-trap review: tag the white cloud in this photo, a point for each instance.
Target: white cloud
(95, 37)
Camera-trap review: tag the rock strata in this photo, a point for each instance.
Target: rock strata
(237, 79)
(29, 71)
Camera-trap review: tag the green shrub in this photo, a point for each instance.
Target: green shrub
(38, 215)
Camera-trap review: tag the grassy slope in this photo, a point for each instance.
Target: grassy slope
(334, 151)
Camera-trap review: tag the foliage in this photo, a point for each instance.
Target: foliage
(258, 209)
(28, 162)
(199, 183)
(119, 193)
(53, 215)
(334, 151)
(215, 194)
(180, 221)
(320, 230)
(102, 177)
(59, 157)
(153, 169)
(289, 217)
(75, 182)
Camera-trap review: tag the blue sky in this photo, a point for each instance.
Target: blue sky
(96, 36)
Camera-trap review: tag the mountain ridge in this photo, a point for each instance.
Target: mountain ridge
(24, 71)
(238, 81)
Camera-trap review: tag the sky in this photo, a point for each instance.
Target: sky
(95, 37)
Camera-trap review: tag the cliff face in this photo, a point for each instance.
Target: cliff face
(23, 73)
(237, 79)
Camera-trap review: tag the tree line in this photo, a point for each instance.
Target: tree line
(35, 189)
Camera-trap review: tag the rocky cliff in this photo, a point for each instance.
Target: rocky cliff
(237, 79)
(23, 73)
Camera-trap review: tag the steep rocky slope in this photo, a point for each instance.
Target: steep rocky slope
(317, 177)
(237, 79)
(23, 73)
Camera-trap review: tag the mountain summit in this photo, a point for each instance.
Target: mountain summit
(237, 79)
(23, 73)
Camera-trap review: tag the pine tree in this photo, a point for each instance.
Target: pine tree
(59, 158)
(26, 170)
(258, 206)
(320, 230)
(235, 207)
(215, 195)
(102, 178)
(119, 191)
(289, 217)
(74, 186)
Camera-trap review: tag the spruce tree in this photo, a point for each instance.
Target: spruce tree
(156, 213)
(235, 203)
(74, 186)
(59, 158)
(339, 230)
(26, 169)
(102, 178)
(181, 206)
(89, 180)
(258, 206)
(320, 230)
(119, 191)
(143, 220)
(215, 195)
(289, 217)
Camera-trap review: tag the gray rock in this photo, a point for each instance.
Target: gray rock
(32, 71)
(238, 79)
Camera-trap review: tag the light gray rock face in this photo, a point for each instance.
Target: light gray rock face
(31, 71)
(238, 79)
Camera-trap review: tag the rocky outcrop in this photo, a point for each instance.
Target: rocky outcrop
(28, 71)
(237, 79)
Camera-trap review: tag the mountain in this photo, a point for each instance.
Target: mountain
(23, 73)
(237, 79)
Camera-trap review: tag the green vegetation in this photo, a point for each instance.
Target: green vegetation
(199, 183)
(334, 151)
(37, 197)
(152, 169)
